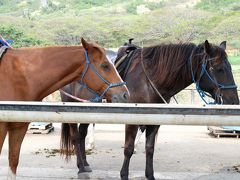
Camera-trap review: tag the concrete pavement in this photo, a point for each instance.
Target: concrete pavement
(182, 152)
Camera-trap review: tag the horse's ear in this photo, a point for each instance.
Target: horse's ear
(207, 47)
(223, 45)
(85, 44)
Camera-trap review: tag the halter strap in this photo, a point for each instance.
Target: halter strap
(73, 97)
(98, 97)
(203, 71)
(220, 86)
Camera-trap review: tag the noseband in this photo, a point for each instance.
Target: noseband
(212, 79)
(98, 97)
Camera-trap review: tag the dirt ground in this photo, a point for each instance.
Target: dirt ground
(182, 152)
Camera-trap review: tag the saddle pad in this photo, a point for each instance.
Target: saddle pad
(2, 51)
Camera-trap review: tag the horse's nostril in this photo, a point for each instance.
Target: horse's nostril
(125, 96)
(115, 99)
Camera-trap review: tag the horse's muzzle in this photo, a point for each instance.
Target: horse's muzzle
(232, 99)
(122, 97)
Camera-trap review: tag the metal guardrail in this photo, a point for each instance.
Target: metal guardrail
(117, 113)
(191, 96)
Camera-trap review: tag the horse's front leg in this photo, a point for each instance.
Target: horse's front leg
(151, 132)
(130, 135)
(16, 133)
(3, 133)
(83, 128)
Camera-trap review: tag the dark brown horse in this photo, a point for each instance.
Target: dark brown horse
(155, 74)
(171, 68)
(30, 74)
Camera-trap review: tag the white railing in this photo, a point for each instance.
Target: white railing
(190, 96)
(117, 113)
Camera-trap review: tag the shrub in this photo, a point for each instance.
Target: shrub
(20, 39)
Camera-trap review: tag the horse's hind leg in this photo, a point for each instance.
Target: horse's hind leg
(83, 129)
(90, 138)
(3, 133)
(130, 135)
(151, 132)
(16, 133)
(75, 139)
(141, 130)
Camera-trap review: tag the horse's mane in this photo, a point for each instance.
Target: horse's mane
(170, 61)
(93, 44)
(48, 47)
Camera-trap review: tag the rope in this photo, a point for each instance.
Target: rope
(151, 83)
(73, 97)
(202, 93)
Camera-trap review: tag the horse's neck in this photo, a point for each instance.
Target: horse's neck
(184, 79)
(41, 71)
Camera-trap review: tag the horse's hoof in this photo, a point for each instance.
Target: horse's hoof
(87, 169)
(124, 178)
(83, 175)
(151, 178)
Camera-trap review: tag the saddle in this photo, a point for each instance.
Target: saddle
(122, 64)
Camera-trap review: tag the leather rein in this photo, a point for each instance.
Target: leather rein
(150, 81)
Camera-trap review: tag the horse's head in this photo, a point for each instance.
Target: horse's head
(215, 76)
(101, 76)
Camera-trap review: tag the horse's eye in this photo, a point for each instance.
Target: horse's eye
(105, 66)
(219, 69)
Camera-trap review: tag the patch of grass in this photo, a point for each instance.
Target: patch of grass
(19, 37)
(236, 74)
(111, 23)
(234, 60)
(217, 5)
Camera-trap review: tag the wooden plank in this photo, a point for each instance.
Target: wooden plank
(40, 125)
(40, 131)
(221, 132)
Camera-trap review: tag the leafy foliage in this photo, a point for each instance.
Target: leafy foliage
(19, 38)
(233, 5)
(113, 22)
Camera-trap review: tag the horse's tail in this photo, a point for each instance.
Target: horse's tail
(66, 146)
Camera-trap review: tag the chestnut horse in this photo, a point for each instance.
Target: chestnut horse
(30, 74)
(153, 75)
